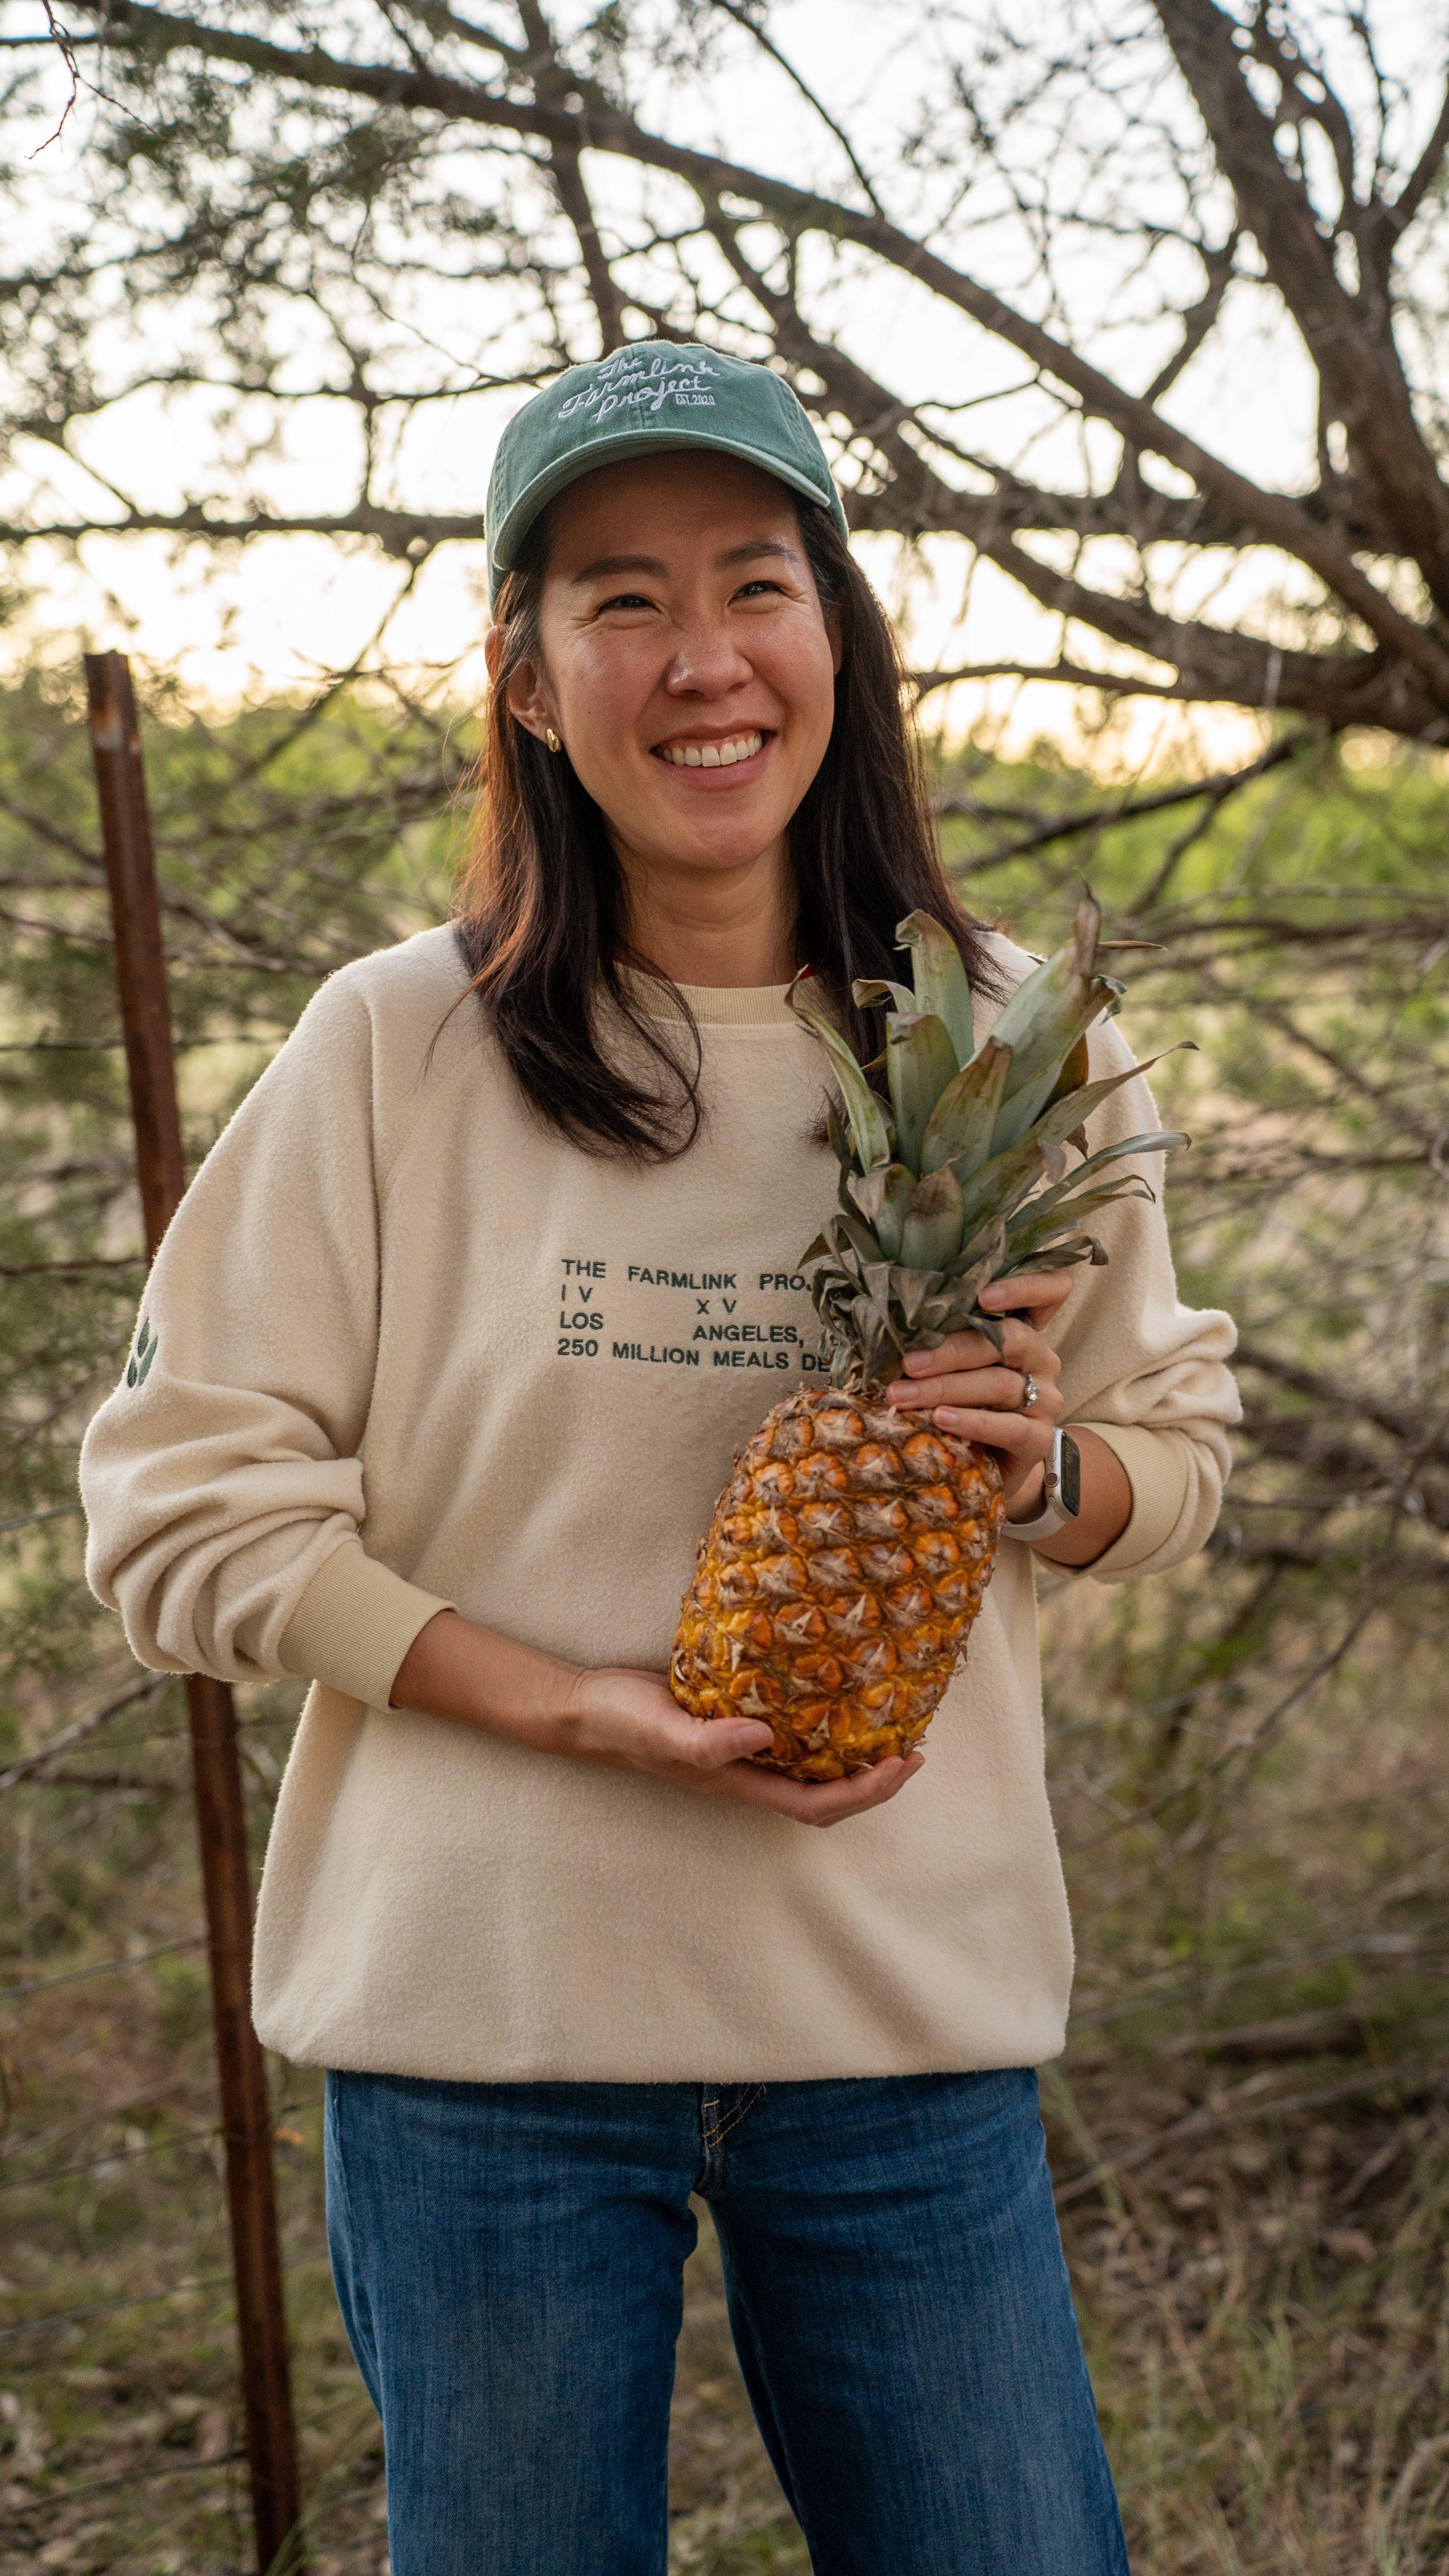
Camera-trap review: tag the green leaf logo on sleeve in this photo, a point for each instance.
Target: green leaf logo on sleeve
(145, 1353)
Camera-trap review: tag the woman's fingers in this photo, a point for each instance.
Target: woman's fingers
(709, 1744)
(1037, 1294)
(967, 1394)
(958, 1351)
(1026, 1306)
(820, 1802)
(1027, 1436)
(949, 1377)
(980, 1398)
(997, 1387)
(726, 1773)
(716, 1752)
(672, 1740)
(1023, 1348)
(631, 1720)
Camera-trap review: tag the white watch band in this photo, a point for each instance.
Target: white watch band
(1053, 1515)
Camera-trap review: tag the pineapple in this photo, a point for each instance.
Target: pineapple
(850, 1552)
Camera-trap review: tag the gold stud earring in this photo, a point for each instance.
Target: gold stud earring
(551, 738)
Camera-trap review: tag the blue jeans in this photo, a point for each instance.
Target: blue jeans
(508, 2259)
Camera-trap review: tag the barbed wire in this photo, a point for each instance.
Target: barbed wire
(145, 2298)
(100, 1968)
(94, 2118)
(1395, 1949)
(124, 2478)
(58, 1269)
(120, 1784)
(28, 1520)
(121, 2156)
(181, 1734)
(111, 1046)
(148, 1688)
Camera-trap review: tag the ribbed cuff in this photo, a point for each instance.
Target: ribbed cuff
(1158, 1471)
(354, 1624)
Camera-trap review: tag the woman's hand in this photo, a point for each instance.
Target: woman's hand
(967, 1389)
(632, 1721)
(629, 1720)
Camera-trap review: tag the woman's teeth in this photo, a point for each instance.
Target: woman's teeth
(711, 755)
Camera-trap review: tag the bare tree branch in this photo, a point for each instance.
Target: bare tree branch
(553, 86)
(743, 17)
(1068, 827)
(273, 235)
(1348, 334)
(1273, 517)
(1422, 177)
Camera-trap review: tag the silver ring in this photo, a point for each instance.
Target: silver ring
(1029, 1393)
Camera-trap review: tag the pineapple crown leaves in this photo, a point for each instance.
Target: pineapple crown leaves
(966, 1178)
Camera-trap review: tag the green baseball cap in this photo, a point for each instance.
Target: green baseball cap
(648, 396)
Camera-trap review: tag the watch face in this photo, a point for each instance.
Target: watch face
(1071, 1475)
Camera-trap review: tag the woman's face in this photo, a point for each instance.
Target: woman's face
(686, 663)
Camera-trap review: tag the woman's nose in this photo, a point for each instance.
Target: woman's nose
(706, 664)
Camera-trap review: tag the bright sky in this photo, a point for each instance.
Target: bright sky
(280, 611)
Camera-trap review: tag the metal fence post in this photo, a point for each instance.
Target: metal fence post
(216, 1769)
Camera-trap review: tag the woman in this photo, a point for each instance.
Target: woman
(453, 1340)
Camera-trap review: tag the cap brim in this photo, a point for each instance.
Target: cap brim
(536, 496)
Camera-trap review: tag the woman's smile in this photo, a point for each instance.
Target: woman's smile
(708, 759)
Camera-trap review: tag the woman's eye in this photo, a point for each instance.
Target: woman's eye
(759, 590)
(624, 599)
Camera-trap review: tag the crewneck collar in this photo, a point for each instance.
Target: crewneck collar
(727, 1006)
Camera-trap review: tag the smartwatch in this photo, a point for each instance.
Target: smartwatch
(1061, 1492)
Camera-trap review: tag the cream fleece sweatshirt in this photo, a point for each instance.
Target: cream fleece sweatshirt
(404, 1348)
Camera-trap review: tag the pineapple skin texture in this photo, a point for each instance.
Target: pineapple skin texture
(836, 1589)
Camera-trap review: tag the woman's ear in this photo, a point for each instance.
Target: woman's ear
(527, 700)
(836, 639)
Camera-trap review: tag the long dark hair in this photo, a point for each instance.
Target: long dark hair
(542, 899)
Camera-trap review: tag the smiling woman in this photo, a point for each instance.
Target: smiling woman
(446, 1356)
